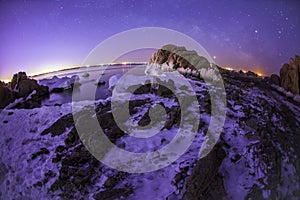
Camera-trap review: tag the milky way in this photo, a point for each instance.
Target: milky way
(46, 35)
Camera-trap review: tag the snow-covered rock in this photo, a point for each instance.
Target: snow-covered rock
(208, 73)
(289, 94)
(297, 98)
(113, 81)
(154, 69)
(181, 71)
(64, 82)
(195, 73)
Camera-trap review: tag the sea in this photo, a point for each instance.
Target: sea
(88, 77)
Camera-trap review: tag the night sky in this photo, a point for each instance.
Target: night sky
(43, 35)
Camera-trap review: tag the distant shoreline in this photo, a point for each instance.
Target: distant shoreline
(81, 67)
(89, 66)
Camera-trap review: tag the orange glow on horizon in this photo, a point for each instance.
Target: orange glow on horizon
(229, 68)
(259, 74)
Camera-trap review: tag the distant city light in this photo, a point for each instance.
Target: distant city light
(6, 80)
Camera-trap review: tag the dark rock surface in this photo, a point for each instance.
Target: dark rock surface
(6, 95)
(275, 79)
(203, 174)
(60, 126)
(113, 194)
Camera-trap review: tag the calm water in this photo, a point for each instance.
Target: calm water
(88, 90)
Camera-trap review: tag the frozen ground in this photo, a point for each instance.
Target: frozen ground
(42, 157)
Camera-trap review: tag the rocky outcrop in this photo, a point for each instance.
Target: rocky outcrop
(6, 95)
(16, 79)
(24, 86)
(58, 85)
(289, 75)
(21, 86)
(275, 79)
(204, 173)
(178, 57)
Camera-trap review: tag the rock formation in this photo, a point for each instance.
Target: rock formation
(6, 95)
(24, 86)
(289, 75)
(275, 79)
(178, 57)
(21, 86)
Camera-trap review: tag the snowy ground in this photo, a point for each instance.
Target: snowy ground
(260, 136)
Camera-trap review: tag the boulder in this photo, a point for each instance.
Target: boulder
(178, 57)
(289, 75)
(26, 87)
(275, 79)
(6, 96)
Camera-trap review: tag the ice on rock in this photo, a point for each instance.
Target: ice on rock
(188, 71)
(113, 81)
(181, 71)
(195, 73)
(202, 73)
(208, 73)
(167, 68)
(154, 69)
(171, 64)
(55, 82)
(30, 95)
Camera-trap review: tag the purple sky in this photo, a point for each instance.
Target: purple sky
(43, 35)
